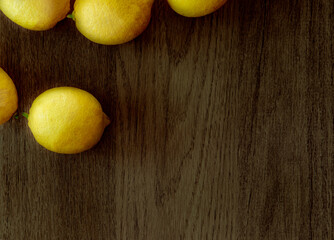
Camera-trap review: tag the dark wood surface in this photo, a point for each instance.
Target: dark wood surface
(222, 128)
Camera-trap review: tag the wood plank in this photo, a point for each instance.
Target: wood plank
(222, 128)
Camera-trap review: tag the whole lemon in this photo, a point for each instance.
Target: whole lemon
(195, 8)
(67, 120)
(8, 97)
(112, 22)
(35, 15)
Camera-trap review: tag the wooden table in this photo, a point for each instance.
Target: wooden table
(222, 128)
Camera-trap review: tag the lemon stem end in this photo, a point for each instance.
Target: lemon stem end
(106, 120)
(26, 115)
(71, 16)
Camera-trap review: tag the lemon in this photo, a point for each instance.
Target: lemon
(195, 8)
(67, 120)
(35, 15)
(8, 97)
(112, 22)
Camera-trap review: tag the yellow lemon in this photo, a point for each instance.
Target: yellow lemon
(35, 15)
(67, 120)
(112, 22)
(8, 97)
(195, 8)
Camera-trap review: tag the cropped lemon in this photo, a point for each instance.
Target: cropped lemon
(112, 22)
(67, 120)
(35, 15)
(8, 97)
(195, 8)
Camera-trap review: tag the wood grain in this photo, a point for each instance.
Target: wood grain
(222, 128)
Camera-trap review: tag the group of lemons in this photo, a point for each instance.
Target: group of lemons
(69, 120)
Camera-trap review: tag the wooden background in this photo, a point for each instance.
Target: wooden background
(222, 128)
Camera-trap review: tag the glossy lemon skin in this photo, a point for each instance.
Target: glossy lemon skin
(196, 8)
(112, 22)
(67, 120)
(8, 97)
(37, 15)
